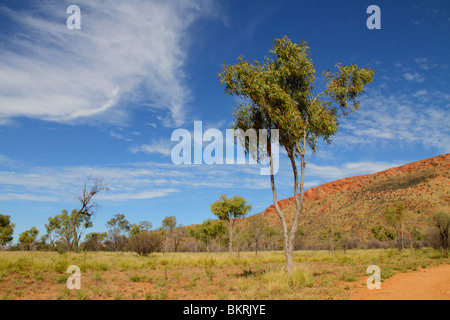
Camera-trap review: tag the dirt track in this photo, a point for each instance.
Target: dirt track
(425, 284)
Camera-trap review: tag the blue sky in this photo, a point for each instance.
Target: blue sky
(104, 100)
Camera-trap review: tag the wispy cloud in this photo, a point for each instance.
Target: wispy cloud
(125, 53)
(161, 147)
(27, 197)
(150, 180)
(419, 117)
(417, 77)
(348, 169)
(119, 136)
(136, 196)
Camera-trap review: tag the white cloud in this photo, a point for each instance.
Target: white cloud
(119, 136)
(417, 77)
(409, 118)
(420, 93)
(144, 195)
(162, 147)
(348, 169)
(125, 52)
(26, 197)
(136, 181)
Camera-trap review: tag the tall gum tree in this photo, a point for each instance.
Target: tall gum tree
(280, 94)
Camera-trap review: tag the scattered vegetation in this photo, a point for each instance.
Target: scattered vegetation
(122, 276)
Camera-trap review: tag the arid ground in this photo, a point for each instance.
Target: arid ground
(318, 275)
(424, 284)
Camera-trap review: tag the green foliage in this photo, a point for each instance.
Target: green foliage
(209, 267)
(93, 240)
(396, 215)
(381, 233)
(330, 234)
(28, 238)
(138, 228)
(6, 229)
(118, 222)
(61, 265)
(62, 227)
(441, 221)
(230, 208)
(169, 223)
(209, 230)
(117, 225)
(280, 95)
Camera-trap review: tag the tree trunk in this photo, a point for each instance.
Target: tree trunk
(230, 238)
(402, 237)
(75, 234)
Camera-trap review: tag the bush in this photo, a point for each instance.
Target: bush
(374, 244)
(145, 243)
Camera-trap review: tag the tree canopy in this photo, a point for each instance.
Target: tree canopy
(6, 229)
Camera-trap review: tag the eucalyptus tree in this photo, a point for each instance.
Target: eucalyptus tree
(280, 94)
(6, 229)
(229, 210)
(117, 227)
(138, 228)
(256, 230)
(441, 221)
(67, 227)
(28, 238)
(168, 225)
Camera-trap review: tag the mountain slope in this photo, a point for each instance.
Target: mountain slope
(354, 205)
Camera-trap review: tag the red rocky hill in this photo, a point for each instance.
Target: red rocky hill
(356, 204)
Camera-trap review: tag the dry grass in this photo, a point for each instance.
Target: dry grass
(317, 274)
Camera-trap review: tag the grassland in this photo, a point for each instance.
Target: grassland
(120, 276)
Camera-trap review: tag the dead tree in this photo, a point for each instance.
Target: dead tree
(92, 186)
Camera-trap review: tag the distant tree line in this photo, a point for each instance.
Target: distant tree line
(254, 233)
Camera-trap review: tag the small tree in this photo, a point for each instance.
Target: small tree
(228, 210)
(60, 228)
(168, 225)
(6, 230)
(299, 235)
(395, 217)
(241, 239)
(196, 233)
(117, 226)
(272, 237)
(28, 238)
(179, 234)
(256, 231)
(211, 230)
(441, 222)
(332, 236)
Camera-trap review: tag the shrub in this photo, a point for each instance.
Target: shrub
(144, 243)
(374, 244)
(441, 223)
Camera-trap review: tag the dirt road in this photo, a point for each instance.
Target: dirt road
(425, 284)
